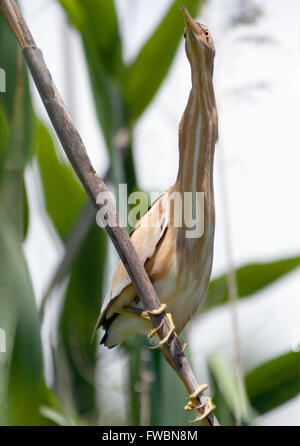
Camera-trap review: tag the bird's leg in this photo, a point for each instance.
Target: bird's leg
(194, 405)
(157, 311)
(166, 338)
(154, 331)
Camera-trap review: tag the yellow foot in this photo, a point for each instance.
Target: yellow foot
(166, 338)
(210, 407)
(194, 405)
(154, 331)
(158, 311)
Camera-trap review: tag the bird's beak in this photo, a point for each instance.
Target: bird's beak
(189, 21)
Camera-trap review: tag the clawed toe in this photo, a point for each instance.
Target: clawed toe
(194, 405)
(154, 331)
(166, 338)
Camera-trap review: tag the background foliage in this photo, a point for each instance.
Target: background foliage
(121, 93)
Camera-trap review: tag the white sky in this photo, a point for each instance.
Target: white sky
(257, 83)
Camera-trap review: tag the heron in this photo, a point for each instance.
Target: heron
(178, 266)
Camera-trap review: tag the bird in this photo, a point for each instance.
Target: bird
(178, 265)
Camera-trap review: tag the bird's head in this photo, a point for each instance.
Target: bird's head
(199, 44)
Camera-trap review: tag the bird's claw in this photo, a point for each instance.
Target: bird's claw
(154, 331)
(192, 404)
(158, 311)
(210, 407)
(166, 338)
(197, 392)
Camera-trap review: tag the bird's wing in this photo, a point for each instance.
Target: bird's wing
(145, 236)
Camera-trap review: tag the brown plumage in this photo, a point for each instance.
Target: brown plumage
(178, 266)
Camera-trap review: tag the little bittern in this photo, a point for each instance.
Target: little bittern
(178, 266)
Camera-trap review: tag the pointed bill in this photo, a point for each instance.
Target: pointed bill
(189, 21)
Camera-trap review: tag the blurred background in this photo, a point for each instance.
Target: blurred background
(122, 71)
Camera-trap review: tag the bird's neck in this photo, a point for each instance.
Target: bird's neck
(197, 137)
(198, 132)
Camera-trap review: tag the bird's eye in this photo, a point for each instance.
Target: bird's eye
(184, 34)
(206, 33)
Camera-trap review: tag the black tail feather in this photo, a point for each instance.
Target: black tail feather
(106, 325)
